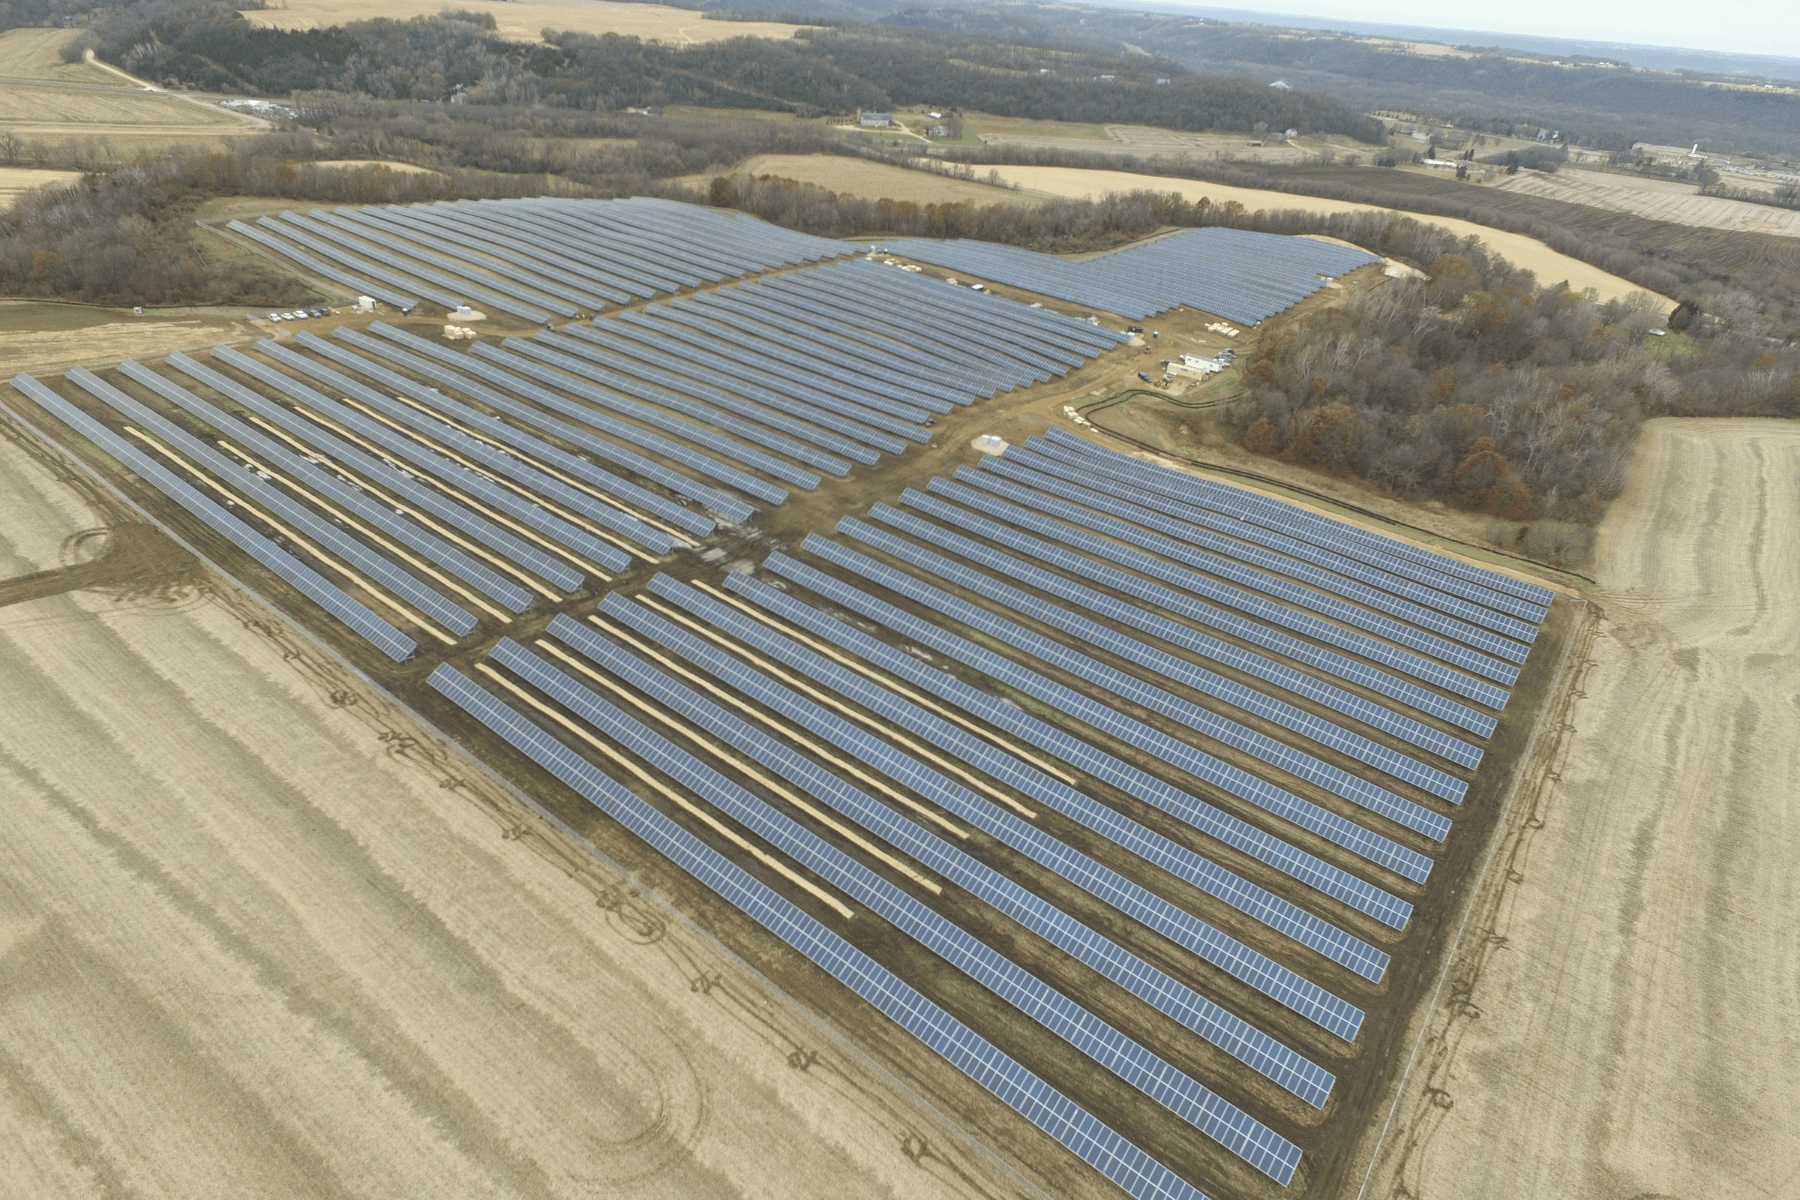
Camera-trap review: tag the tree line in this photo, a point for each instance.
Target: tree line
(456, 56)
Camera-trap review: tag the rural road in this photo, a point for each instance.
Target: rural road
(1624, 1017)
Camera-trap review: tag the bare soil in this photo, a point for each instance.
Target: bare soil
(264, 934)
(1619, 1018)
(42, 337)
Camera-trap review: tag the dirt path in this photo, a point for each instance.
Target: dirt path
(261, 935)
(1621, 1018)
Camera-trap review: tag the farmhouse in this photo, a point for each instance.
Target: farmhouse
(875, 120)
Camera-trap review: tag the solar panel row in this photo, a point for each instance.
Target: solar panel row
(723, 503)
(1007, 768)
(349, 551)
(1488, 631)
(1245, 598)
(1301, 535)
(1083, 1134)
(338, 490)
(1108, 637)
(1226, 1123)
(1111, 607)
(1221, 557)
(1233, 273)
(1078, 753)
(1278, 512)
(1097, 565)
(1174, 999)
(442, 505)
(1235, 780)
(498, 431)
(315, 587)
(416, 453)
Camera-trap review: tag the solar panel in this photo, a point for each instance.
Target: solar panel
(308, 582)
(1317, 543)
(428, 499)
(350, 552)
(416, 453)
(1224, 885)
(1352, 534)
(1082, 755)
(723, 503)
(1095, 565)
(1168, 996)
(1106, 1045)
(347, 495)
(1108, 637)
(1217, 556)
(1269, 611)
(1264, 668)
(536, 448)
(1082, 1134)
(1238, 782)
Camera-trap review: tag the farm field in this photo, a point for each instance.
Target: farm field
(859, 177)
(36, 55)
(341, 959)
(15, 180)
(1658, 199)
(1630, 958)
(99, 108)
(1518, 249)
(525, 22)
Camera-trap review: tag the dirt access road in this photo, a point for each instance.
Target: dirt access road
(1620, 1020)
(262, 936)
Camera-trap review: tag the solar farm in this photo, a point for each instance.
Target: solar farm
(1138, 800)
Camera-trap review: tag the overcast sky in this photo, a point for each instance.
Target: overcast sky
(1734, 26)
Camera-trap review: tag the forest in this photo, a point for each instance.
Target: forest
(205, 44)
(1485, 390)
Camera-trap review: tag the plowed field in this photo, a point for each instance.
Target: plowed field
(1620, 1016)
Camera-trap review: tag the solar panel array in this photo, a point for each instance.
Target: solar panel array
(1081, 1132)
(535, 258)
(1232, 273)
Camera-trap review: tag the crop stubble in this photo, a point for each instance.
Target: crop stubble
(263, 935)
(1620, 1018)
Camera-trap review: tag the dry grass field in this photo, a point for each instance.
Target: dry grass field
(1619, 1020)
(264, 936)
(525, 22)
(1658, 199)
(1549, 265)
(15, 180)
(45, 100)
(877, 180)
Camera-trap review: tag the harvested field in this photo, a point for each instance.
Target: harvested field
(1759, 260)
(342, 960)
(350, 164)
(858, 177)
(100, 108)
(15, 180)
(1658, 199)
(36, 54)
(1630, 953)
(1522, 251)
(526, 22)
